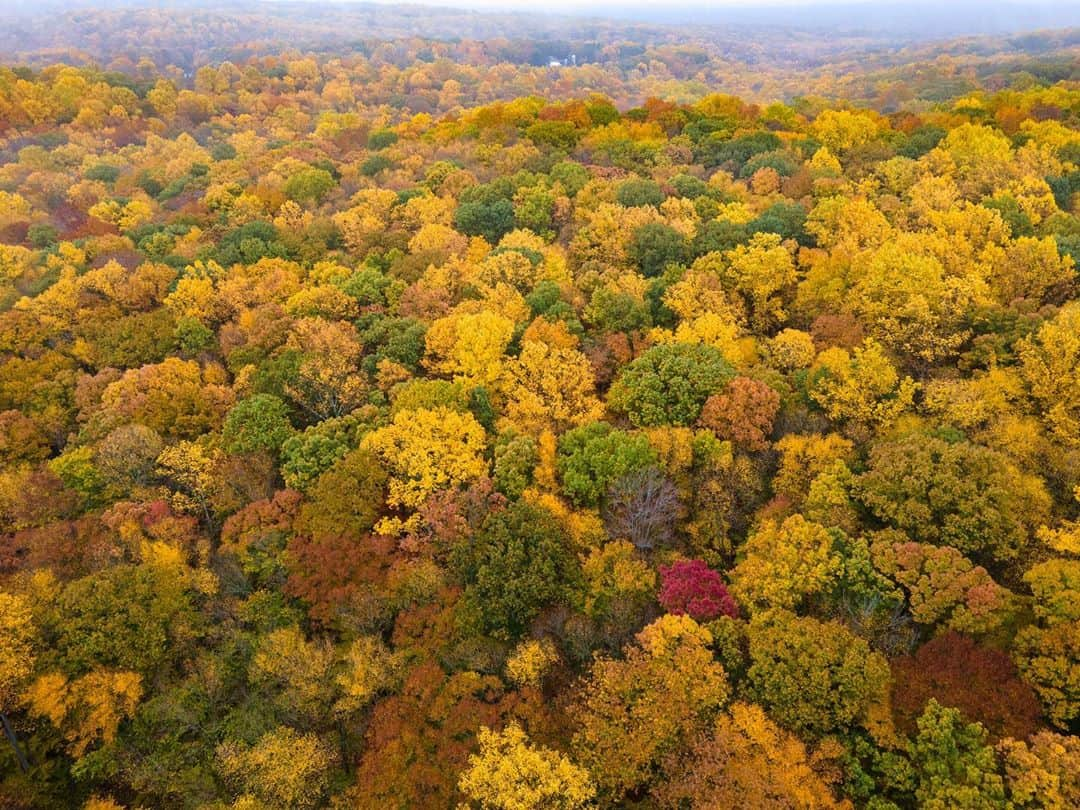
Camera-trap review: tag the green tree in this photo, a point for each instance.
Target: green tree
(309, 185)
(490, 220)
(258, 423)
(954, 493)
(654, 246)
(815, 678)
(593, 457)
(518, 563)
(639, 191)
(347, 498)
(954, 766)
(669, 384)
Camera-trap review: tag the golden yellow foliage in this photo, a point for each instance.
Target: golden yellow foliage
(550, 387)
(510, 774)
(530, 661)
(88, 709)
(427, 450)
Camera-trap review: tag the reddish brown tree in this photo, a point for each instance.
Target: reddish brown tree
(743, 413)
(979, 681)
(338, 574)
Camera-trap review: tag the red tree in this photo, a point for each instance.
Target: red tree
(690, 587)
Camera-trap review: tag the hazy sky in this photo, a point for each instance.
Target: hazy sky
(585, 5)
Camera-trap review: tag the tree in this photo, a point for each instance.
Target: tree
(518, 563)
(511, 774)
(295, 671)
(953, 493)
(491, 220)
(861, 388)
(21, 440)
(309, 185)
(283, 769)
(258, 423)
(324, 357)
(308, 454)
(815, 678)
(691, 588)
(643, 506)
(943, 586)
(978, 680)
(785, 565)
(371, 669)
(1043, 772)
(617, 581)
(550, 388)
(341, 579)
(843, 130)
(745, 760)
(131, 617)
(126, 457)
(804, 458)
(530, 661)
(257, 535)
(668, 384)
(469, 347)
(593, 457)
(633, 712)
(654, 246)
(742, 413)
(1055, 586)
(906, 299)
(1050, 364)
(88, 709)
(427, 450)
(953, 764)
(17, 636)
(1049, 659)
(176, 398)
(638, 192)
(762, 271)
(347, 499)
(516, 457)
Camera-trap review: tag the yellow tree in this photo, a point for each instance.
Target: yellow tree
(843, 130)
(905, 299)
(551, 388)
(469, 347)
(762, 271)
(426, 450)
(177, 398)
(296, 669)
(1050, 364)
(510, 774)
(862, 388)
(369, 668)
(785, 564)
(284, 769)
(1043, 772)
(327, 381)
(88, 709)
(16, 638)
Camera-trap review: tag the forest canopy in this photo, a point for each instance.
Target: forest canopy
(413, 427)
